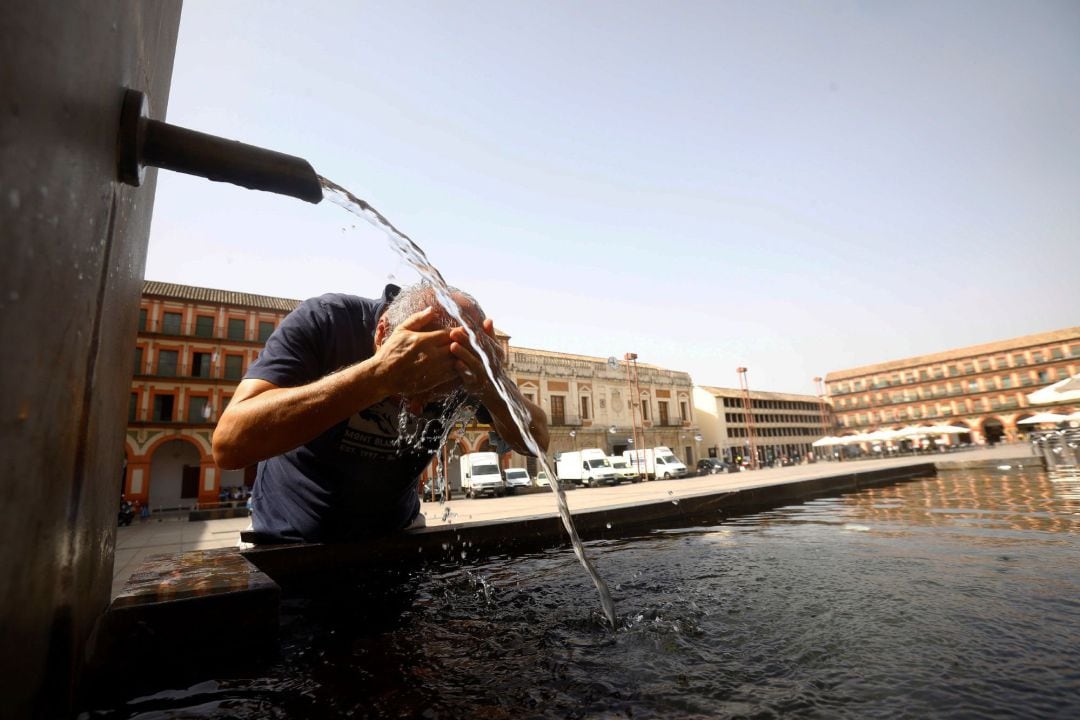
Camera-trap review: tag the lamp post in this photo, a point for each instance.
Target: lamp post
(819, 386)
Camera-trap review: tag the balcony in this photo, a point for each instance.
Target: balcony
(218, 375)
(563, 420)
(168, 329)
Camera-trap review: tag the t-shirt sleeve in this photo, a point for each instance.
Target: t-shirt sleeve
(293, 354)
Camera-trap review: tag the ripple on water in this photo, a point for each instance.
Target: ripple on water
(790, 614)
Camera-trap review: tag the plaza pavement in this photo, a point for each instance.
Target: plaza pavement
(136, 543)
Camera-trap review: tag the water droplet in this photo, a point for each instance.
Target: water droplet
(463, 554)
(608, 526)
(674, 501)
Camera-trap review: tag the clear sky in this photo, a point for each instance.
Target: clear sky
(796, 187)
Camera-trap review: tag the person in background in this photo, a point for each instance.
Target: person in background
(347, 404)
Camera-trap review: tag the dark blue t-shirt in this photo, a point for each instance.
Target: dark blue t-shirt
(357, 479)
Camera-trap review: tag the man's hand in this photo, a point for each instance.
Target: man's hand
(416, 361)
(469, 366)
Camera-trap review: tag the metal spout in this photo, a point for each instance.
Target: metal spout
(144, 142)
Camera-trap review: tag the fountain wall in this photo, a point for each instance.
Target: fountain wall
(74, 250)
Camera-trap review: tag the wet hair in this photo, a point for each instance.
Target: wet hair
(414, 298)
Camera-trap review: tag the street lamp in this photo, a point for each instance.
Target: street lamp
(573, 436)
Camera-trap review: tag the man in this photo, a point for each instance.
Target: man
(347, 404)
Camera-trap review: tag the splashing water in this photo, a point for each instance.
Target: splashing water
(415, 256)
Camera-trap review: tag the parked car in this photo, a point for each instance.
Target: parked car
(712, 466)
(542, 479)
(516, 478)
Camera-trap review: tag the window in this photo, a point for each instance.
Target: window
(585, 407)
(1074, 350)
(558, 409)
(142, 319)
(924, 375)
(234, 367)
(663, 407)
(171, 324)
(984, 364)
(237, 329)
(1007, 381)
(684, 409)
(953, 371)
(1044, 376)
(163, 408)
(1001, 362)
(969, 367)
(266, 329)
(133, 407)
(1057, 353)
(138, 361)
(973, 386)
(200, 364)
(1037, 357)
(204, 326)
(166, 363)
(198, 410)
(644, 408)
(1019, 360)
(530, 397)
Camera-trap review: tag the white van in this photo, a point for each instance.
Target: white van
(516, 478)
(586, 467)
(480, 475)
(657, 462)
(667, 465)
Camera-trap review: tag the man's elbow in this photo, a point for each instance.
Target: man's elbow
(227, 455)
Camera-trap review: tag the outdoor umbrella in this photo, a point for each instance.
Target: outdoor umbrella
(1066, 390)
(945, 430)
(1046, 417)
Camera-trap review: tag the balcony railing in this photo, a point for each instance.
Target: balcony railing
(252, 335)
(564, 420)
(184, 372)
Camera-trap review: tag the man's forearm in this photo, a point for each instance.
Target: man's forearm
(508, 430)
(276, 420)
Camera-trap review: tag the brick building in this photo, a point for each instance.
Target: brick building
(192, 349)
(983, 387)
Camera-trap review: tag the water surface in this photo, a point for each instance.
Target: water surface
(954, 596)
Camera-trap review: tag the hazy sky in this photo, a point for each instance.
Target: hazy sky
(797, 187)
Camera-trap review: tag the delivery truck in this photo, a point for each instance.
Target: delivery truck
(658, 462)
(480, 475)
(586, 467)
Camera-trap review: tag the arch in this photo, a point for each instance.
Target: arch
(174, 473)
(963, 438)
(993, 429)
(168, 437)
